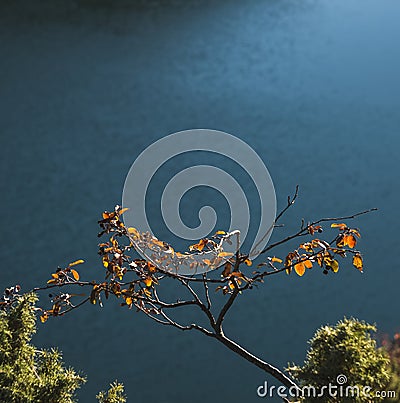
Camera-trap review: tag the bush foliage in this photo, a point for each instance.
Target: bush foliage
(32, 375)
(345, 349)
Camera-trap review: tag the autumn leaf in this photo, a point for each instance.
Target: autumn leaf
(248, 262)
(151, 268)
(44, 317)
(227, 270)
(333, 264)
(358, 262)
(80, 261)
(123, 210)
(75, 274)
(94, 294)
(356, 232)
(225, 254)
(300, 268)
(134, 232)
(308, 264)
(276, 259)
(148, 281)
(128, 301)
(341, 226)
(350, 240)
(52, 281)
(199, 246)
(220, 233)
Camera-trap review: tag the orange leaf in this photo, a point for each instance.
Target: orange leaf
(308, 263)
(52, 281)
(300, 268)
(75, 274)
(276, 259)
(350, 240)
(220, 233)
(248, 262)
(122, 211)
(199, 246)
(151, 268)
(225, 254)
(358, 262)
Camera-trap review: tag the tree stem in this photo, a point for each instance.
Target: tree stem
(270, 369)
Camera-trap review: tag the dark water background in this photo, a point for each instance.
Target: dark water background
(313, 86)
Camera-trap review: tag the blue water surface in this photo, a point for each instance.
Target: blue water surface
(313, 86)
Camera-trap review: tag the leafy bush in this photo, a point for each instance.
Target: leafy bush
(26, 373)
(31, 375)
(114, 395)
(345, 349)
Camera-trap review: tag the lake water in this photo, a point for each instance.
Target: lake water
(313, 86)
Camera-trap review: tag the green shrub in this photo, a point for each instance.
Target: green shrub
(345, 349)
(31, 375)
(26, 373)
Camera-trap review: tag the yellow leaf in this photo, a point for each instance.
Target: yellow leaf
(158, 243)
(75, 274)
(52, 281)
(148, 281)
(300, 268)
(54, 275)
(123, 210)
(80, 261)
(334, 264)
(225, 254)
(128, 300)
(248, 262)
(341, 241)
(276, 259)
(358, 262)
(44, 317)
(220, 233)
(134, 232)
(341, 226)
